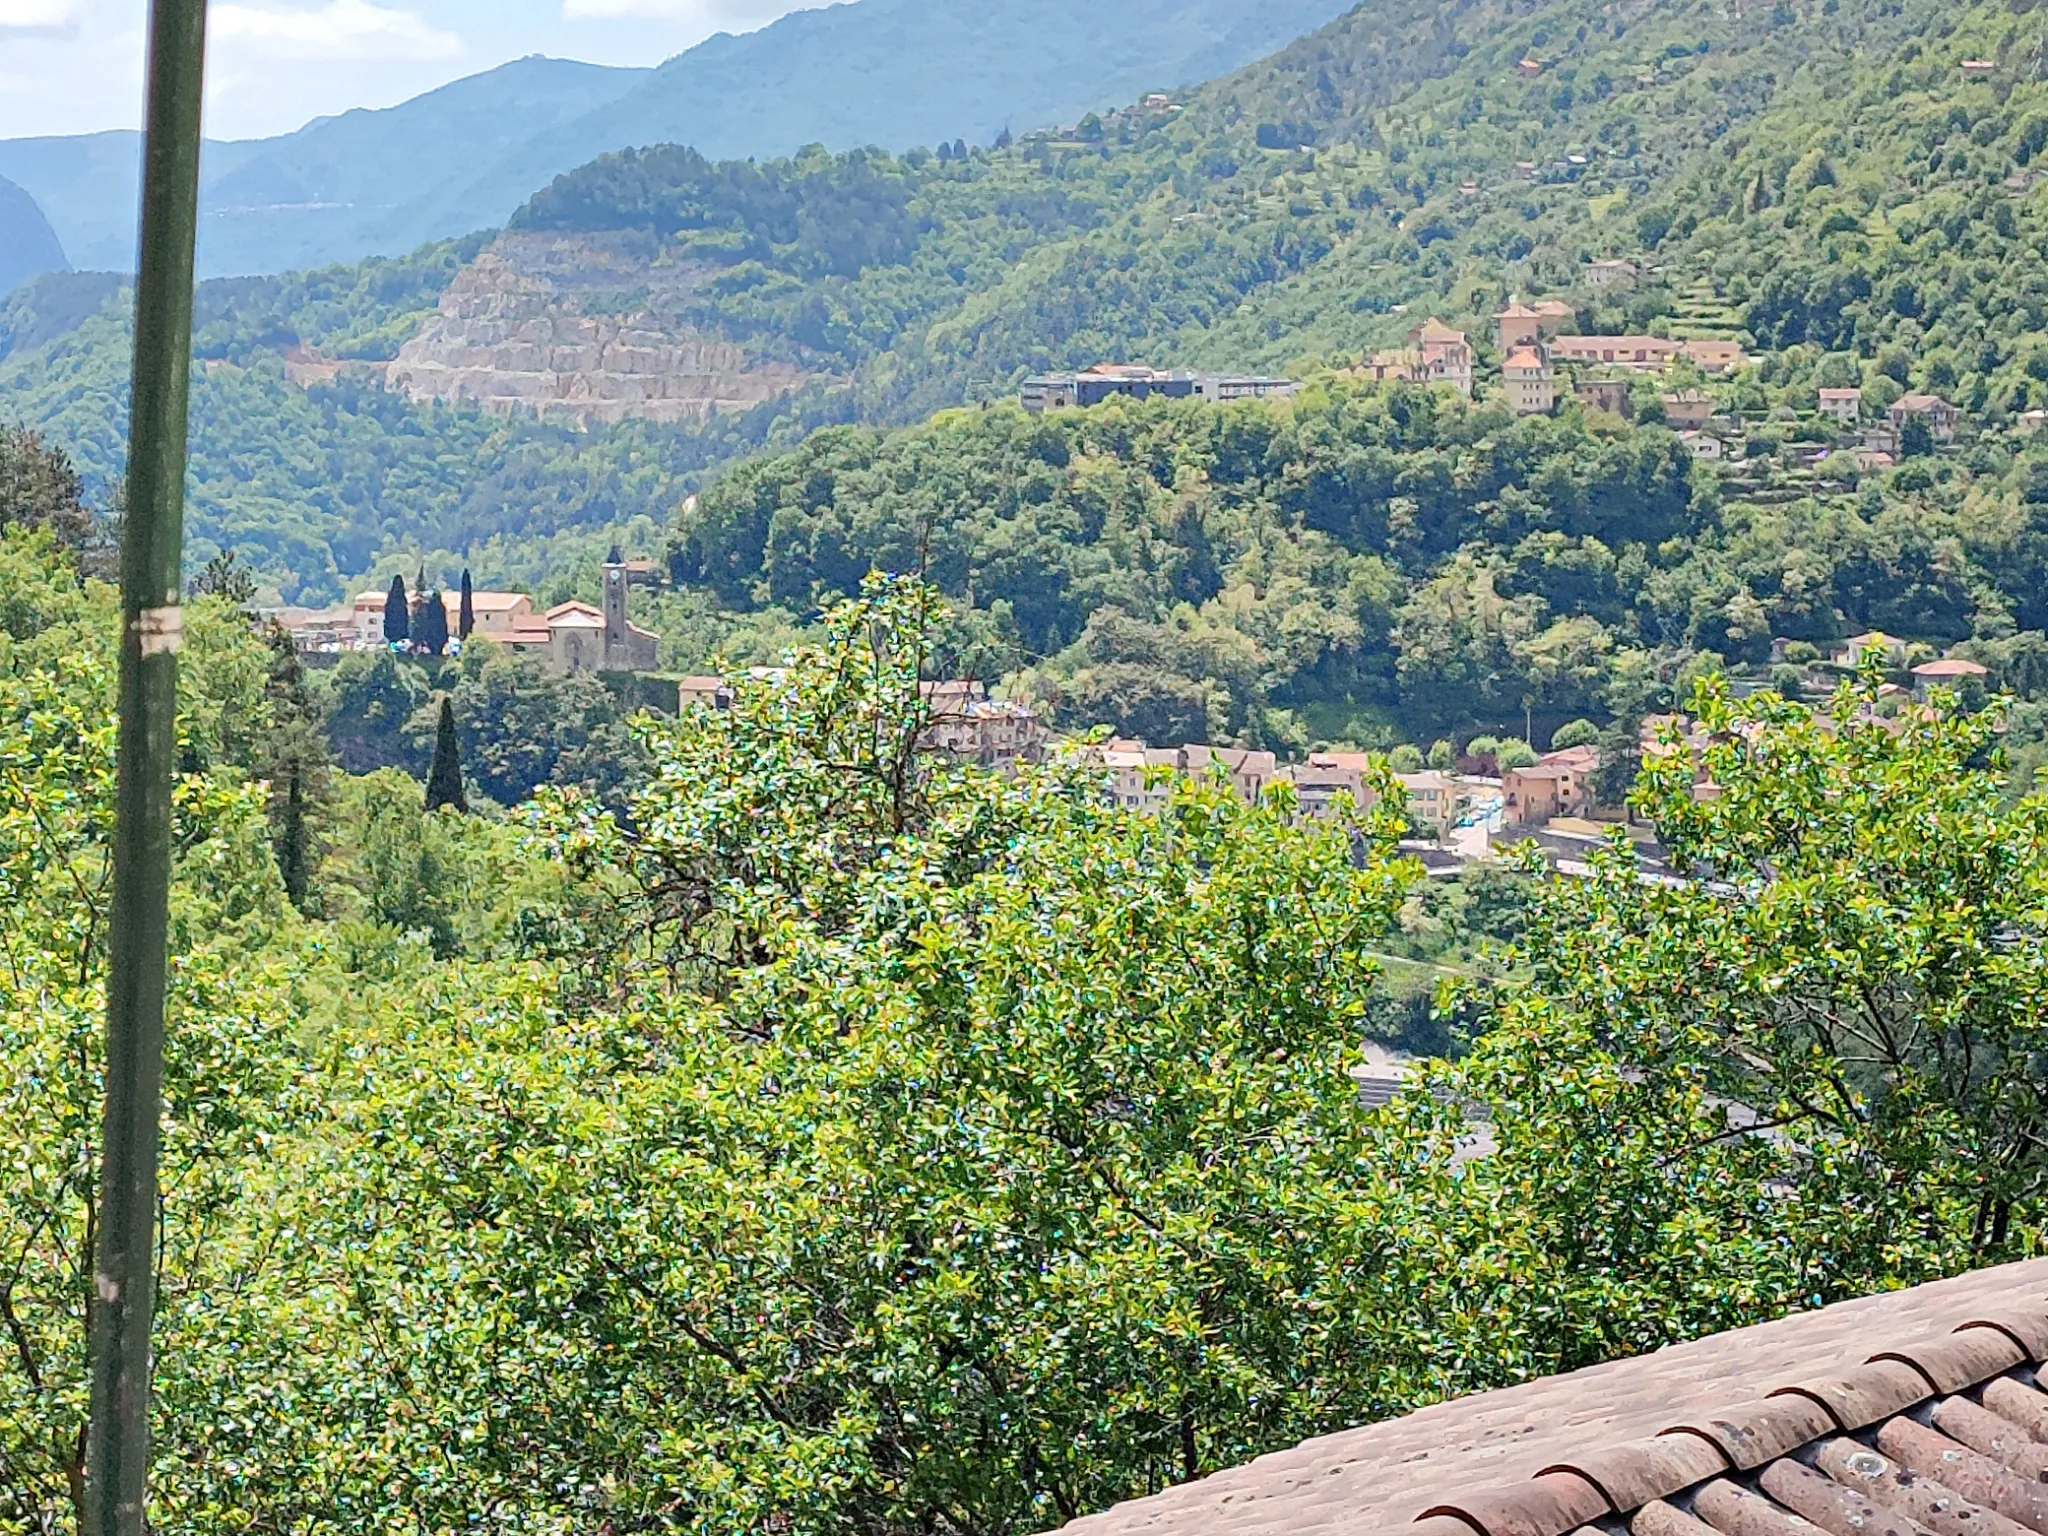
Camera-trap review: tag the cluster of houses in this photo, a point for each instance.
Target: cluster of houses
(998, 734)
(1003, 734)
(569, 637)
(1536, 341)
(1439, 803)
(1940, 672)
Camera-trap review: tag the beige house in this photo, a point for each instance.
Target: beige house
(1687, 410)
(1843, 405)
(1317, 790)
(1611, 274)
(1715, 356)
(1646, 354)
(1639, 354)
(1942, 418)
(1140, 778)
(1249, 772)
(496, 614)
(1542, 791)
(1435, 799)
(994, 733)
(1436, 354)
(1851, 651)
(1531, 387)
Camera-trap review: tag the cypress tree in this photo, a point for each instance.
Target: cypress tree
(466, 620)
(294, 760)
(430, 630)
(397, 617)
(444, 780)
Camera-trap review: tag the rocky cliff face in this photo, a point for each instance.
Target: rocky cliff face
(581, 329)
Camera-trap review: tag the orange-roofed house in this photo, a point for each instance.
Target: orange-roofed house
(1949, 672)
(1531, 387)
(1517, 326)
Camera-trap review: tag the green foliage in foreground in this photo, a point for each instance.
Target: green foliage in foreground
(860, 1143)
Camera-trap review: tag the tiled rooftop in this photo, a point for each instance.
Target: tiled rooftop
(1913, 1413)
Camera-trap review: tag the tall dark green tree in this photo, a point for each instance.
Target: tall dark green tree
(466, 620)
(444, 779)
(225, 577)
(295, 762)
(430, 627)
(39, 488)
(397, 616)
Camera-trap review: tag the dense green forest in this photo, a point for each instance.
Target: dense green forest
(1375, 565)
(740, 1162)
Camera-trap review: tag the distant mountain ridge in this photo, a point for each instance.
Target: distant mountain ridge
(331, 191)
(893, 73)
(28, 246)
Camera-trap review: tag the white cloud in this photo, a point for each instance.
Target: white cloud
(38, 15)
(340, 29)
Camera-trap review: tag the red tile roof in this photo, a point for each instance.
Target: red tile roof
(1694, 1440)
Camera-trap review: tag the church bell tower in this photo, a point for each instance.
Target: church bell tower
(614, 606)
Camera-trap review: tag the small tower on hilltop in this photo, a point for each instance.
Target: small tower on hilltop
(616, 629)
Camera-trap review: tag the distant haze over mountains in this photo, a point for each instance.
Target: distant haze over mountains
(894, 73)
(28, 245)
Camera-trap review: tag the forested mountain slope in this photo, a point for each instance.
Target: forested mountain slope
(1378, 566)
(1820, 177)
(895, 73)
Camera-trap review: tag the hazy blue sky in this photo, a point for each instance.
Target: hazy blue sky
(74, 66)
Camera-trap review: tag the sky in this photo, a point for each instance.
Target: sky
(75, 66)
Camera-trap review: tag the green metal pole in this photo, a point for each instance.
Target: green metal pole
(117, 1467)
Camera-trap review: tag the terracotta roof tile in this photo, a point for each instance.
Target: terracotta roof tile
(1989, 1435)
(2029, 1330)
(1693, 1440)
(1550, 1504)
(1969, 1474)
(1658, 1518)
(1634, 1472)
(1935, 1506)
(1960, 1359)
(1737, 1511)
(1750, 1434)
(1860, 1397)
(1836, 1509)
(2020, 1404)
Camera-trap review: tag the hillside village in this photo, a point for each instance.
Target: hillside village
(1541, 359)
